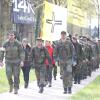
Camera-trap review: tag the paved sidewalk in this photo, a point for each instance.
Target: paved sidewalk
(50, 93)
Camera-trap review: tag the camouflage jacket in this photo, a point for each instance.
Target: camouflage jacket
(88, 52)
(79, 52)
(13, 52)
(39, 55)
(63, 51)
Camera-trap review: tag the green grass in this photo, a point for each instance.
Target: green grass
(4, 83)
(90, 92)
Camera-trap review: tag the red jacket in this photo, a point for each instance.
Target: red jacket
(50, 50)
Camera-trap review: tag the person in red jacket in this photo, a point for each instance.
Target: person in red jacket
(49, 68)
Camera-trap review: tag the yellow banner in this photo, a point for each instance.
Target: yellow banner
(76, 15)
(54, 21)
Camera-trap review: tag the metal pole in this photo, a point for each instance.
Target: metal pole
(98, 22)
(98, 18)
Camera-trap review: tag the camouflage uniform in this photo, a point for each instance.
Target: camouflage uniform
(63, 51)
(79, 59)
(89, 55)
(84, 64)
(13, 56)
(94, 61)
(97, 55)
(39, 55)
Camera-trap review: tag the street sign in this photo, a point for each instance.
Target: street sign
(22, 12)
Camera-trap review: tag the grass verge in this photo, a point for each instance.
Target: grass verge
(4, 83)
(90, 92)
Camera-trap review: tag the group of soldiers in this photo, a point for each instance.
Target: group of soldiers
(77, 57)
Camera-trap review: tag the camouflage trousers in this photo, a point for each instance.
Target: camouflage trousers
(54, 70)
(13, 70)
(67, 74)
(61, 70)
(48, 76)
(40, 73)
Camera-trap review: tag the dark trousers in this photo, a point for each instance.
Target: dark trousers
(54, 70)
(40, 75)
(77, 78)
(26, 71)
(49, 74)
(13, 69)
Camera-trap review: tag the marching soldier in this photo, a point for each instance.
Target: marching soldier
(78, 58)
(97, 55)
(63, 51)
(89, 57)
(14, 57)
(84, 64)
(39, 55)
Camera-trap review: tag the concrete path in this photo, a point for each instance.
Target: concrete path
(50, 93)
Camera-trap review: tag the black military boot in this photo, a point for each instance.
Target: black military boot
(69, 90)
(15, 91)
(11, 88)
(50, 84)
(79, 82)
(55, 78)
(75, 82)
(38, 84)
(61, 77)
(65, 91)
(41, 88)
(26, 85)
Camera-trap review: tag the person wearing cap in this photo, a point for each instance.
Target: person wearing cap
(14, 57)
(27, 61)
(63, 52)
(77, 60)
(39, 55)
